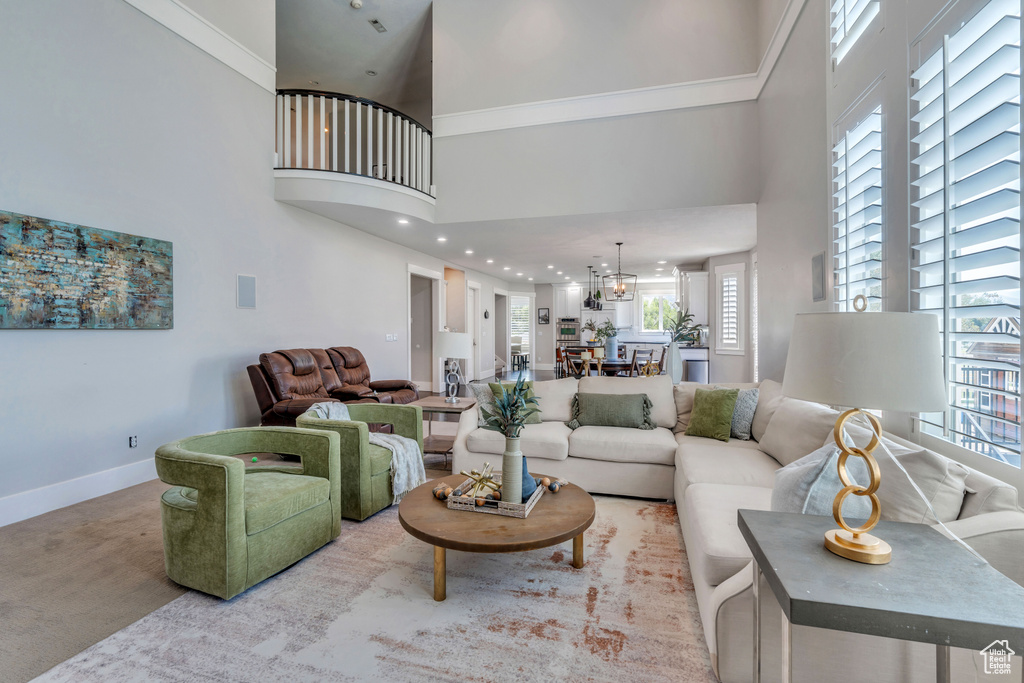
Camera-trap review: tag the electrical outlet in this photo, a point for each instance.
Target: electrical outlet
(390, 337)
(133, 442)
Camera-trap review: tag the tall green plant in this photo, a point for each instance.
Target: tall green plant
(684, 330)
(510, 409)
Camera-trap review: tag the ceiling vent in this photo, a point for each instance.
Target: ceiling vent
(377, 25)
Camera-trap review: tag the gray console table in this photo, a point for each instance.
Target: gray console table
(933, 591)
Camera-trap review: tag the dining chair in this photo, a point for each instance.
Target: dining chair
(640, 358)
(559, 361)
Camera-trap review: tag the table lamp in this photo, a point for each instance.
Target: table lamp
(453, 346)
(881, 361)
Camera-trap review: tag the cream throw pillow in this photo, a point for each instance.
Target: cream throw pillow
(940, 479)
(554, 397)
(796, 429)
(769, 397)
(683, 394)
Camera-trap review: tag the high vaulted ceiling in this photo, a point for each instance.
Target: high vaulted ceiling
(330, 42)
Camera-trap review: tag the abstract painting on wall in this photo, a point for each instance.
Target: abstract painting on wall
(57, 275)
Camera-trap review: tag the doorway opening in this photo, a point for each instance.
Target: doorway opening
(421, 337)
(501, 335)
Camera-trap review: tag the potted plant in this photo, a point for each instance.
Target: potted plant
(602, 333)
(508, 416)
(682, 331)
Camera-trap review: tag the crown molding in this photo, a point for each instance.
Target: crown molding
(715, 91)
(195, 29)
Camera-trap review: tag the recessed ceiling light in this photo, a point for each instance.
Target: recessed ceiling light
(657, 275)
(566, 277)
(529, 278)
(519, 274)
(469, 251)
(662, 262)
(490, 260)
(508, 268)
(442, 239)
(608, 271)
(604, 265)
(559, 272)
(371, 72)
(403, 221)
(550, 267)
(659, 269)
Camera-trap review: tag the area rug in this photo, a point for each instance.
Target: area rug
(361, 609)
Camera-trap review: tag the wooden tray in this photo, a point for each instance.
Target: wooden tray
(495, 507)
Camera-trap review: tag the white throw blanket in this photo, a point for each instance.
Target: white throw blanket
(406, 460)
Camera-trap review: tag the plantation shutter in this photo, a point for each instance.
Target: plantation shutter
(519, 323)
(965, 233)
(857, 227)
(730, 312)
(850, 18)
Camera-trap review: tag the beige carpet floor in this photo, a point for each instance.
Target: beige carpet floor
(361, 609)
(72, 577)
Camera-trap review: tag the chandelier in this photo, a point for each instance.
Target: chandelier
(620, 286)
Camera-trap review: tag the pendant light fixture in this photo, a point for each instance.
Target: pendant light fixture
(620, 286)
(588, 303)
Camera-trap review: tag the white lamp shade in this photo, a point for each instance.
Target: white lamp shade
(453, 344)
(881, 361)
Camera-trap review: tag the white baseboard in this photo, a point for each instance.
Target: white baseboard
(15, 508)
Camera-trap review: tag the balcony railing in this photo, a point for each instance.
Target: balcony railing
(325, 131)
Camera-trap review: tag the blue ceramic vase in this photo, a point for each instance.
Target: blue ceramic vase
(529, 483)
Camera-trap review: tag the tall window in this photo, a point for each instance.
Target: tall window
(730, 286)
(754, 348)
(659, 311)
(850, 18)
(519, 324)
(857, 225)
(965, 233)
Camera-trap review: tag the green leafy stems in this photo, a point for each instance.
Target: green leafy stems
(601, 332)
(683, 330)
(511, 409)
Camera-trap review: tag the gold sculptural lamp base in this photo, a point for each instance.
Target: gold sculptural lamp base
(855, 543)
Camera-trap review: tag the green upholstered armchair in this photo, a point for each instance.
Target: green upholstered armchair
(365, 468)
(227, 527)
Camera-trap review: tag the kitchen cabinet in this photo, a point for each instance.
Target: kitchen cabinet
(692, 288)
(568, 300)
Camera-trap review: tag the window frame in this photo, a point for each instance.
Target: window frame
(662, 295)
(737, 270)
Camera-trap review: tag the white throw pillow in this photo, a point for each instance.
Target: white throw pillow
(769, 397)
(657, 388)
(797, 428)
(940, 479)
(810, 485)
(554, 398)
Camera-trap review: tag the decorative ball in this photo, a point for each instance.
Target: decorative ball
(553, 487)
(479, 502)
(544, 481)
(447, 491)
(457, 493)
(497, 495)
(255, 459)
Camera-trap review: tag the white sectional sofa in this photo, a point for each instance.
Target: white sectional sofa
(710, 480)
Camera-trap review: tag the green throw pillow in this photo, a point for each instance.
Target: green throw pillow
(611, 410)
(496, 392)
(712, 413)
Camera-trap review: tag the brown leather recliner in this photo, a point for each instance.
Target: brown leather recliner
(354, 379)
(287, 383)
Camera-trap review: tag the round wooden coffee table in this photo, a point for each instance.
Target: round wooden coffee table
(557, 517)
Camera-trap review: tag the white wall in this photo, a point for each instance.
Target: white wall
(249, 23)
(200, 175)
(488, 54)
(544, 354)
(728, 367)
(793, 210)
(663, 160)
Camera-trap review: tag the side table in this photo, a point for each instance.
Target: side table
(933, 591)
(440, 444)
